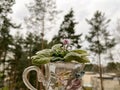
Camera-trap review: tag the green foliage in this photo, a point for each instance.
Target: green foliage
(18, 63)
(59, 53)
(67, 30)
(113, 67)
(22, 50)
(91, 68)
(6, 7)
(44, 53)
(6, 39)
(42, 60)
(72, 56)
(17, 51)
(55, 59)
(5, 88)
(1, 75)
(87, 88)
(83, 52)
(99, 36)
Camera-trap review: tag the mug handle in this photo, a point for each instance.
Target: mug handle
(40, 76)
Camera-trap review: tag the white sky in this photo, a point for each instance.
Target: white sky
(82, 9)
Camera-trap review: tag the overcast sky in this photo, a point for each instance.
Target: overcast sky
(82, 9)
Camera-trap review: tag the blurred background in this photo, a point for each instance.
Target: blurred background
(27, 26)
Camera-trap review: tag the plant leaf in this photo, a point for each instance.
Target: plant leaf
(41, 61)
(79, 51)
(76, 57)
(45, 52)
(57, 47)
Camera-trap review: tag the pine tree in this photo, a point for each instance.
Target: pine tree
(22, 51)
(6, 39)
(33, 44)
(98, 38)
(18, 63)
(67, 31)
(42, 16)
(42, 13)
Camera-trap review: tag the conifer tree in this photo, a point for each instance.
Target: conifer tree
(18, 63)
(98, 38)
(23, 49)
(67, 31)
(42, 16)
(6, 39)
(42, 13)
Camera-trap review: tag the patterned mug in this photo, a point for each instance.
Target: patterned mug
(58, 76)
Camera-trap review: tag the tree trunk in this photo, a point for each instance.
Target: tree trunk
(4, 59)
(100, 72)
(100, 66)
(42, 33)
